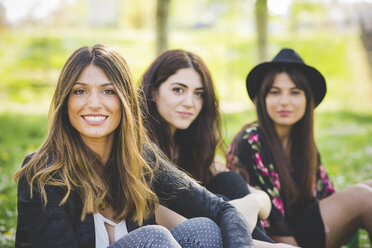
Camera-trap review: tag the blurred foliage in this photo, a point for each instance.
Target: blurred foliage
(20, 134)
(305, 10)
(32, 63)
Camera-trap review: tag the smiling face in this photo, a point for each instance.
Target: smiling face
(179, 99)
(93, 107)
(285, 103)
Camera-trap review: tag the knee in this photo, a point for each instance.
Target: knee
(204, 223)
(232, 178)
(198, 225)
(156, 230)
(361, 194)
(368, 183)
(202, 232)
(146, 236)
(229, 184)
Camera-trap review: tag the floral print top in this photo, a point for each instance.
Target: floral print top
(250, 155)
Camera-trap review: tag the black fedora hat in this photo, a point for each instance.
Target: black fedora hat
(287, 58)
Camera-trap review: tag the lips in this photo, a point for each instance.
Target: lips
(284, 112)
(94, 119)
(184, 114)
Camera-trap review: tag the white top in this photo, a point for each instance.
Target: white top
(102, 239)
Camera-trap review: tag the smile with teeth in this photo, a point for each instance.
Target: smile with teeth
(92, 118)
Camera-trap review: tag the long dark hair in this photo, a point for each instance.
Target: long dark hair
(297, 170)
(196, 146)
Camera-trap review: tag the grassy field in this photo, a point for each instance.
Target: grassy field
(30, 61)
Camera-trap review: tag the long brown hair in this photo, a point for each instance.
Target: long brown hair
(197, 144)
(297, 170)
(65, 161)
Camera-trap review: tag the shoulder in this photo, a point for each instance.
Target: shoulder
(32, 163)
(28, 192)
(250, 135)
(47, 159)
(246, 131)
(22, 180)
(152, 155)
(156, 159)
(27, 158)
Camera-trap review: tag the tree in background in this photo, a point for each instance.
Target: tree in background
(261, 28)
(162, 13)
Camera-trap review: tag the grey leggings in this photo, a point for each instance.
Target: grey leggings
(192, 233)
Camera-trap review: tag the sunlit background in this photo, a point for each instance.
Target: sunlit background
(38, 35)
(335, 36)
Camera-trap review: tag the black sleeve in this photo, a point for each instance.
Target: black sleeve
(40, 225)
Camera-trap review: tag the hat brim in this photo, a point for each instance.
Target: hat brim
(316, 79)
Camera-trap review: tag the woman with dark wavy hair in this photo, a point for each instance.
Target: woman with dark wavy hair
(192, 141)
(183, 119)
(278, 154)
(96, 181)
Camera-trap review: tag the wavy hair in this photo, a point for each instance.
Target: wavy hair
(301, 161)
(64, 160)
(195, 146)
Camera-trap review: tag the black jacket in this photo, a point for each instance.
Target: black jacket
(56, 226)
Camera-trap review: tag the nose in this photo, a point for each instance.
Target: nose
(94, 100)
(284, 99)
(188, 101)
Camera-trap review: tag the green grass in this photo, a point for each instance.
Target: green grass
(20, 134)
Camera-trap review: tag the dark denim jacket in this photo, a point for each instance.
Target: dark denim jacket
(56, 226)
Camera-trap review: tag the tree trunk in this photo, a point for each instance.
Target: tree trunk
(261, 27)
(162, 25)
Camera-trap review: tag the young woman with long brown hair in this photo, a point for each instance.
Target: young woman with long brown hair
(183, 119)
(97, 180)
(278, 154)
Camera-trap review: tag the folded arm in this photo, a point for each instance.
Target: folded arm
(183, 195)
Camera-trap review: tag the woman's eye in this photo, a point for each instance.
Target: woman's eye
(296, 92)
(199, 94)
(178, 90)
(109, 92)
(274, 92)
(78, 91)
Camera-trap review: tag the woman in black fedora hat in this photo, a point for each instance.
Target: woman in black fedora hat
(277, 153)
